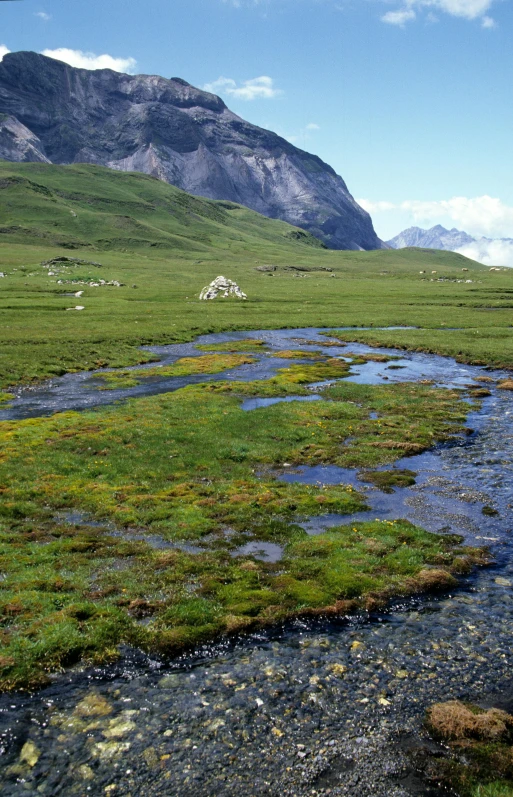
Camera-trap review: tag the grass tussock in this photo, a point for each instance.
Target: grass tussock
(480, 761)
(185, 366)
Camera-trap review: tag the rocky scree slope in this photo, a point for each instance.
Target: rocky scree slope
(53, 113)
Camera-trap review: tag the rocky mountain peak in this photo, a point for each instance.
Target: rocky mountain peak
(176, 132)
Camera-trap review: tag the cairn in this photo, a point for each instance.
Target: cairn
(224, 287)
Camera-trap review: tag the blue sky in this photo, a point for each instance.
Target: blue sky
(409, 100)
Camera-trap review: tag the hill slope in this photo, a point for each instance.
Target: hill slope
(52, 112)
(86, 206)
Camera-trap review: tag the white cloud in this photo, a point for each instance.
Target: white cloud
(400, 17)
(83, 60)
(313, 126)
(258, 88)
(3, 51)
(483, 215)
(43, 15)
(376, 207)
(464, 9)
(491, 253)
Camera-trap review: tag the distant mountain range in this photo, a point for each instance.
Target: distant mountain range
(490, 251)
(51, 112)
(435, 238)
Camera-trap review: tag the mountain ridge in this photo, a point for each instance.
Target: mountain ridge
(436, 237)
(51, 112)
(449, 240)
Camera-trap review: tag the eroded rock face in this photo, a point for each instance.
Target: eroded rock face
(17, 143)
(224, 287)
(173, 131)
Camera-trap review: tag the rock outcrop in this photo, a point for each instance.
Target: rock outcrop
(52, 112)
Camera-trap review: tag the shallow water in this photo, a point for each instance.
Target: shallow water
(316, 706)
(81, 391)
(256, 403)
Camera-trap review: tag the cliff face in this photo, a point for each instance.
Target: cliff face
(54, 113)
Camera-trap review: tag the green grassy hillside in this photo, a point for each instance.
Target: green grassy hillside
(99, 209)
(169, 245)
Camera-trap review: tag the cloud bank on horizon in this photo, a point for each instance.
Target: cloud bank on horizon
(482, 215)
(490, 253)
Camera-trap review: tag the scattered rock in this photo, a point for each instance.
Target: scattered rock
(29, 754)
(108, 750)
(93, 705)
(85, 772)
(69, 261)
(225, 287)
(119, 726)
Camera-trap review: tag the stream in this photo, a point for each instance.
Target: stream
(313, 707)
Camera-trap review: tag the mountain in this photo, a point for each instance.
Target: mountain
(489, 251)
(435, 238)
(53, 113)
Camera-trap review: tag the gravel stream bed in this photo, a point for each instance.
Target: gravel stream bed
(313, 708)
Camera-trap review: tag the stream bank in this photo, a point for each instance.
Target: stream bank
(317, 706)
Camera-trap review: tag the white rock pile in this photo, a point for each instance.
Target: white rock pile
(223, 286)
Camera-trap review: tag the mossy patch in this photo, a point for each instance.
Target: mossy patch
(386, 480)
(182, 468)
(186, 366)
(234, 345)
(298, 354)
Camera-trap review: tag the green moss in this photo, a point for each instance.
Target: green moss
(234, 345)
(297, 354)
(496, 789)
(186, 366)
(181, 467)
(386, 480)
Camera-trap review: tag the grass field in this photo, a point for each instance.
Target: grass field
(181, 244)
(182, 467)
